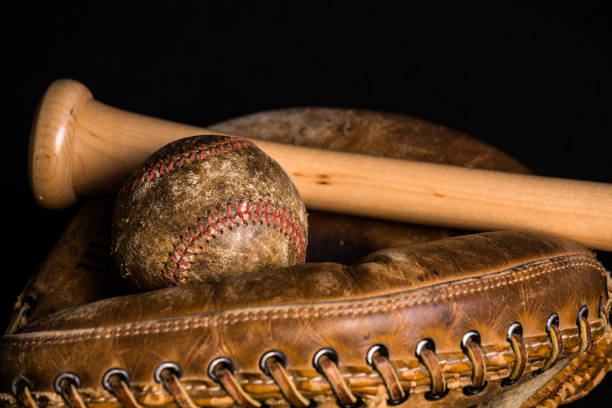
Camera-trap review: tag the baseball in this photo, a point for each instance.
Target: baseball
(204, 206)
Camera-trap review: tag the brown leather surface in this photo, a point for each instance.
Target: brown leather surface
(396, 297)
(378, 274)
(77, 270)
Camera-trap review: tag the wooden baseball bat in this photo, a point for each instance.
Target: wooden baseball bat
(80, 146)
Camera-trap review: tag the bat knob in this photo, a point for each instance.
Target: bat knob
(50, 155)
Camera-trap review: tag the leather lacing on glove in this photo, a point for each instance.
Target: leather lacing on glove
(325, 361)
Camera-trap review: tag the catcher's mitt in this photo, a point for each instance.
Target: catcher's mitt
(499, 318)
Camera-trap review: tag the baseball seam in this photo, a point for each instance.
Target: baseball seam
(300, 312)
(181, 258)
(168, 163)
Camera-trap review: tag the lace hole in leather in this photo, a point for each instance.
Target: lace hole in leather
(471, 335)
(430, 345)
(425, 344)
(379, 349)
(114, 372)
(430, 396)
(219, 362)
(167, 366)
(327, 351)
(333, 357)
(275, 354)
(19, 383)
(506, 382)
(474, 336)
(471, 391)
(399, 401)
(221, 370)
(583, 312)
(382, 350)
(515, 328)
(63, 378)
(553, 320)
(602, 312)
(286, 385)
(584, 330)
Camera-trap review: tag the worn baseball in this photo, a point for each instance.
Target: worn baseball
(206, 206)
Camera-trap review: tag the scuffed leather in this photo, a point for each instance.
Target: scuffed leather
(395, 297)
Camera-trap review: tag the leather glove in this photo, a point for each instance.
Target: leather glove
(382, 313)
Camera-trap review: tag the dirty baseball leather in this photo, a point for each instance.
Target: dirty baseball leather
(205, 184)
(425, 317)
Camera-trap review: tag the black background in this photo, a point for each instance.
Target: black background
(534, 82)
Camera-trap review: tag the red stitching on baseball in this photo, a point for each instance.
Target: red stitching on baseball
(169, 277)
(248, 210)
(240, 214)
(180, 259)
(166, 164)
(212, 224)
(282, 221)
(267, 213)
(258, 212)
